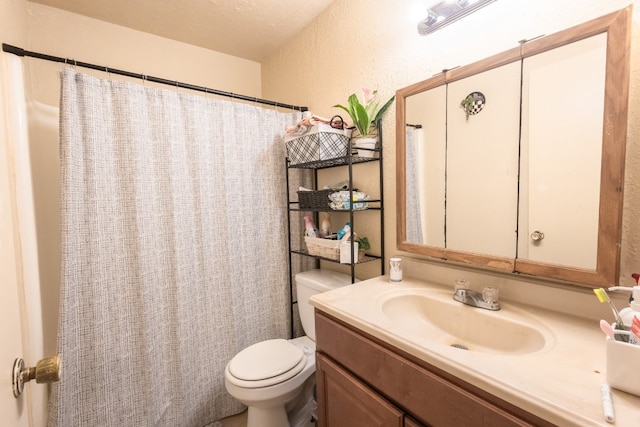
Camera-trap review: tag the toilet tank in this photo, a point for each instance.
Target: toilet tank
(314, 282)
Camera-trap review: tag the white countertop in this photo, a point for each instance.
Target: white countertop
(559, 383)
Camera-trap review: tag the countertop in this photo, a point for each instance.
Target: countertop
(559, 383)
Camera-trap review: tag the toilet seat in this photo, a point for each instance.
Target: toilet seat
(266, 363)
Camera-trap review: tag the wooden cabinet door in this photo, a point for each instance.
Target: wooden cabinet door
(410, 422)
(344, 401)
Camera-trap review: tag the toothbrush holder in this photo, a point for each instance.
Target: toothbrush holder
(621, 373)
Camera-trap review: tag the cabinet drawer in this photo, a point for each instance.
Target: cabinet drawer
(414, 385)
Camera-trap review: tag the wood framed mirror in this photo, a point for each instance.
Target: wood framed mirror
(516, 162)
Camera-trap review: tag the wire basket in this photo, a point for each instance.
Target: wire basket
(314, 199)
(321, 142)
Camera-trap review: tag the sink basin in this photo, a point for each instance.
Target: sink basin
(436, 317)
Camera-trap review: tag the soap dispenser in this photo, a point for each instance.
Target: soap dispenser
(627, 314)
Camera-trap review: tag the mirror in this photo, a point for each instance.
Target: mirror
(516, 162)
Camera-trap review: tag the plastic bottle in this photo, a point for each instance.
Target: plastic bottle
(325, 224)
(627, 313)
(344, 230)
(310, 229)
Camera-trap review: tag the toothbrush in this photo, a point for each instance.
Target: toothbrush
(603, 297)
(609, 331)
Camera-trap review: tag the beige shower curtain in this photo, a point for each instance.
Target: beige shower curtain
(174, 250)
(413, 188)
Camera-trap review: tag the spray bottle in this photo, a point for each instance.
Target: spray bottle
(310, 229)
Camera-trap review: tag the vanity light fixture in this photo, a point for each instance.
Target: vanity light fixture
(448, 11)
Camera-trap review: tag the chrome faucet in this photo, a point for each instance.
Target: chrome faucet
(488, 301)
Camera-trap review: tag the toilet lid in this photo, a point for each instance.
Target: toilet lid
(268, 359)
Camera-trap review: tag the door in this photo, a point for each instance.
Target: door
(13, 412)
(345, 401)
(20, 300)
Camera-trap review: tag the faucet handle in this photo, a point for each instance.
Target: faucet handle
(490, 294)
(462, 284)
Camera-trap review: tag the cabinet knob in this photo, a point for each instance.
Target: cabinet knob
(536, 236)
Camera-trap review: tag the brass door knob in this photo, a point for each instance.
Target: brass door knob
(46, 370)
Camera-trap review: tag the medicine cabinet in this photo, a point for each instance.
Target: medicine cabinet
(516, 162)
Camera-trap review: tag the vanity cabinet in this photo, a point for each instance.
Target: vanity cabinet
(362, 381)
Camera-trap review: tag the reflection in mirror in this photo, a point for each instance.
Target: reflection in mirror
(426, 157)
(482, 163)
(532, 183)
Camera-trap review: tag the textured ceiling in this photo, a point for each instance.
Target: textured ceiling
(250, 29)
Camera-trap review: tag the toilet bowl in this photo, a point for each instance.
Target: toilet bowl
(275, 378)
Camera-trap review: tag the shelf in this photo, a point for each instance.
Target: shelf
(293, 206)
(328, 209)
(367, 257)
(332, 210)
(331, 163)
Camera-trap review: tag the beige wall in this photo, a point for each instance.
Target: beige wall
(13, 21)
(67, 35)
(357, 43)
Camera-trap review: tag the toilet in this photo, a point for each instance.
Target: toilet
(275, 378)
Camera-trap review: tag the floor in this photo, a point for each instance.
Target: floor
(240, 420)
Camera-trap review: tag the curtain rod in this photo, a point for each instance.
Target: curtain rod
(21, 52)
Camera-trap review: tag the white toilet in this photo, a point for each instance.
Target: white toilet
(275, 378)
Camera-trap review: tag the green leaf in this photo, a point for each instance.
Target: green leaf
(372, 108)
(343, 107)
(378, 116)
(362, 120)
(363, 243)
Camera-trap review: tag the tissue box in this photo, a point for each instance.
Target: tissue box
(345, 252)
(622, 372)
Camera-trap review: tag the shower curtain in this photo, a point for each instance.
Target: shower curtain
(414, 188)
(174, 253)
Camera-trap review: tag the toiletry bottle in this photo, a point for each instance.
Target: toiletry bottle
(344, 230)
(627, 313)
(395, 270)
(325, 224)
(310, 229)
